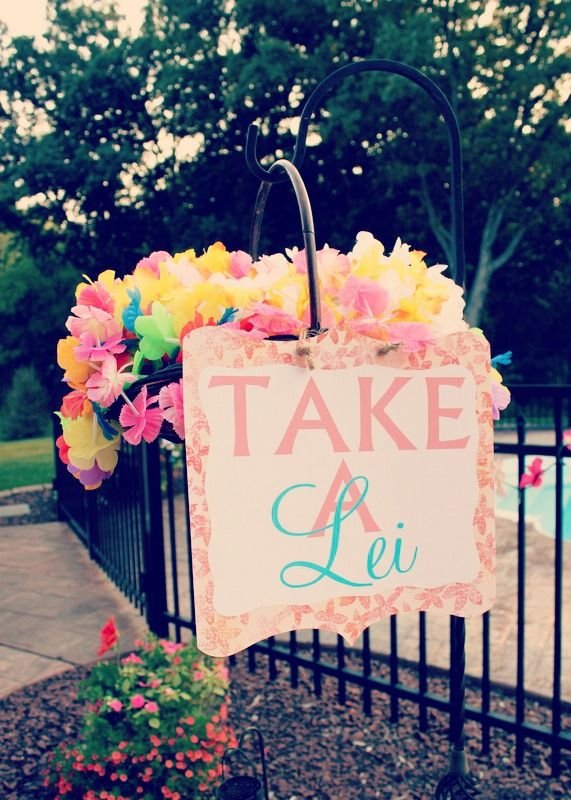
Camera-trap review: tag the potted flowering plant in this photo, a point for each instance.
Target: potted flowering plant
(156, 726)
(124, 332)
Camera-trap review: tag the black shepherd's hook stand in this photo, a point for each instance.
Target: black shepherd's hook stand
(457, 784)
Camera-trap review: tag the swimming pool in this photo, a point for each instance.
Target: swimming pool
(539, 501)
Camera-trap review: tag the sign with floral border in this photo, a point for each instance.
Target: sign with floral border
(335, 483)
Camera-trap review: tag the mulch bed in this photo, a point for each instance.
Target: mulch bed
(317, 748)
(41, 501)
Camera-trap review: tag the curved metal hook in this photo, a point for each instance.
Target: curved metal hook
(236, 751)
(441, 101)
(307, 227)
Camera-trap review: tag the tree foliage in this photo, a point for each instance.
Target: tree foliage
(24, 409)
(35, 297)
(112, 145)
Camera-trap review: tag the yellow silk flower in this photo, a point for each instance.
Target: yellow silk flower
(152, 287)
(216, 259)
(207, 299)
(87, 444)
(75, 372)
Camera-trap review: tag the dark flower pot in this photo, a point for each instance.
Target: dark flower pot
(242, 787)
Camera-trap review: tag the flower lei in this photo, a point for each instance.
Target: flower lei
(121, 329)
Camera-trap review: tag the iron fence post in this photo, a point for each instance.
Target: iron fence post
(153, 577)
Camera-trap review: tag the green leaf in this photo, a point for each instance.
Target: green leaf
(154, 722)
(138, 361)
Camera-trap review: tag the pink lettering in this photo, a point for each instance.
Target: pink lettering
(342, 478)
(240, 382)
(368, 410)
(324, 421)
(434, 412)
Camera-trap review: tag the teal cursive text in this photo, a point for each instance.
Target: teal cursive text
(376, 554)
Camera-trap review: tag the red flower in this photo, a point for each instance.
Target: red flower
(108, 635)
(534, 475)
(63, 449)
(74, 404)
(197, 322)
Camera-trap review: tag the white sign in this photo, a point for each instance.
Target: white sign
(365, 478)
(329, 482)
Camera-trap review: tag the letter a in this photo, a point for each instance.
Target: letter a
(324, 421)
(342, 478)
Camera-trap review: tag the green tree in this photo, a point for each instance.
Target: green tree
(379, 151)
(24, 410)
(74, 128)
(508, 77)
(114, 145)
(35, 297)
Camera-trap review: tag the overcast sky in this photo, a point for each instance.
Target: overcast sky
(29, 16)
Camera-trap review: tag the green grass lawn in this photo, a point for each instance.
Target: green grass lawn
(26, 462)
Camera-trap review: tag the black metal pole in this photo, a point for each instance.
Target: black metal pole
(458, 692)
(457, 784)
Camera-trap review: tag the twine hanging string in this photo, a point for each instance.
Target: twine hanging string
(385, 348)
(304, 350)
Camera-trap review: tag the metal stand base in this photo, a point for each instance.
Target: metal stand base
(457, 784)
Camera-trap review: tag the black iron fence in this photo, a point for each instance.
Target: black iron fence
(121, 525)
(137, 527)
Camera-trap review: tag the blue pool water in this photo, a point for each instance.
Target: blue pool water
(539, 501)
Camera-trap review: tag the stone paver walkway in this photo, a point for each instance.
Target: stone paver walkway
(53, 602)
